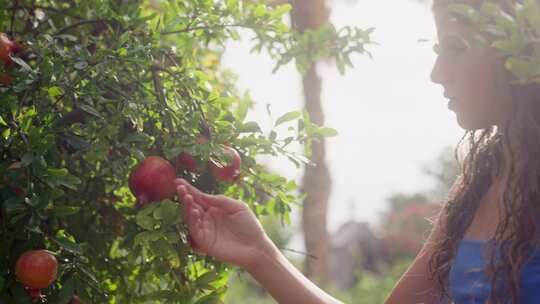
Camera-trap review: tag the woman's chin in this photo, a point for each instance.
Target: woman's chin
(470, 125)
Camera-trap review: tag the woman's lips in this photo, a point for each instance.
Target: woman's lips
(452, 104)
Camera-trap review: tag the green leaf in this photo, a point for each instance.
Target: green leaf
(67, 244)
(260, 10)
(209, 299)
(147, 237)
(90, 110)
(145, 221)
(27, 159)
(287, 117)
(272, 136)
(61, 177)
(169, 213)
(67, 291)
(54, 91)
(66, 210)
(88, 276)
(204, 280)
(23, 64)
(6, 133)
(283, 9)
(519, 67)
(122, 52)
(81, 65)
(327, 132)
(20, 294)
(159, 295)
(250, 127)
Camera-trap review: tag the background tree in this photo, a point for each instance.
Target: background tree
(316, 182)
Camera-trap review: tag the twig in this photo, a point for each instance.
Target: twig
(11, 25)
(158, 87)
(206, 27)
(45, 8)
(74, 25)
(309, 255)
(207, 131)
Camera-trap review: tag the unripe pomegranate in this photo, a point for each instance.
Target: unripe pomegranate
(184, 161)
(229, 172)
(36, 269)
(153, 180)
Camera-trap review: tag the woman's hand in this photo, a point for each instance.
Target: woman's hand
(222, 227)
(226, 229)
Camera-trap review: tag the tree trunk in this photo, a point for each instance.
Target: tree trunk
(311, 14)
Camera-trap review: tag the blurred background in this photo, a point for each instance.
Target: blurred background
(377, 183)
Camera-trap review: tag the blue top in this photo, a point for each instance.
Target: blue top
(469, 283)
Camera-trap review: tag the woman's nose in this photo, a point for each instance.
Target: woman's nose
(440, 73)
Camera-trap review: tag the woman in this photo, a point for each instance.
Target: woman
(483, 245)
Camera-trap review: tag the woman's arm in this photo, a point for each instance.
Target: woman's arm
(284, 282)
(226, 229)
(415, 286)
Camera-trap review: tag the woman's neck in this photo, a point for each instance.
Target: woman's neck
(510, 150)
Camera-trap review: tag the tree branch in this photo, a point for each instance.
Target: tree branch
(74, 25)
(205, 27)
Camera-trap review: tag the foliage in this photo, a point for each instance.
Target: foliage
(406, 229)
(242, 287)
(102, 84)
(374, 289)
(408, 221)
(512, 28)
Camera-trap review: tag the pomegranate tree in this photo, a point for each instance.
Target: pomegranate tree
(98, 107)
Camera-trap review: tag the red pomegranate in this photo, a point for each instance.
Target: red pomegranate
(184, 161)
(153, 180)
(18, 191)
(36, 269)
(17, 47)
(7, 47)
(229, 172)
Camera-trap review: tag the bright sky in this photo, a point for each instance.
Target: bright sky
(392, 120)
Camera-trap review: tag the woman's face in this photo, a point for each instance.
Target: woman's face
(474, 80)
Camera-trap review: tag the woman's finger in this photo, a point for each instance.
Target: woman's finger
(194, 218)
(205, 200)
(183, 187)
(189, 204)
(224, 203)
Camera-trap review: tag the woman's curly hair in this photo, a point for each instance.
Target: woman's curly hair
(516, 237)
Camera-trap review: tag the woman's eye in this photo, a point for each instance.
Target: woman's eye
(448, 49)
